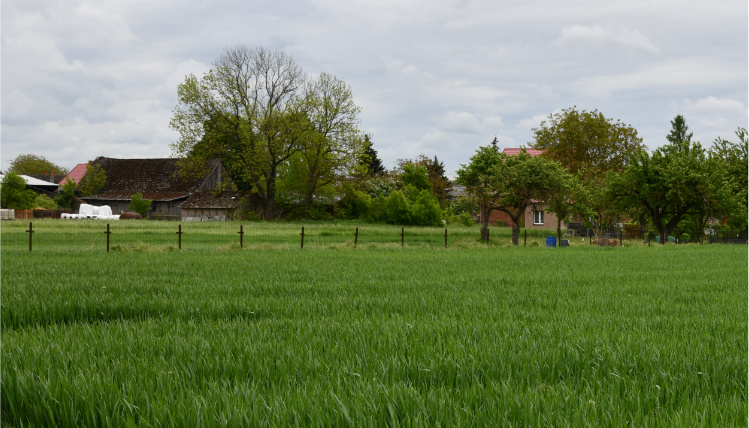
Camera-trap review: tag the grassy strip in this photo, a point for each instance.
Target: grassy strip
(88, 235)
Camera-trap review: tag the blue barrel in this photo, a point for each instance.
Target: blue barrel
(551, 241)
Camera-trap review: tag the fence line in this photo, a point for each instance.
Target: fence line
(49, 234)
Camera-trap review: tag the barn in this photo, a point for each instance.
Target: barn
(160, 180)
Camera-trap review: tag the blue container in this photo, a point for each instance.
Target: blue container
(551, 241)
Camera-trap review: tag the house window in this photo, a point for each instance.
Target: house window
(538, 217)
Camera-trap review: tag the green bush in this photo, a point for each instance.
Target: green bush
(426, 210)
(377, 208)
(397, 210)
(64, 197)
(44, 201)
(354, 204)
(465, 219)
(140, 205)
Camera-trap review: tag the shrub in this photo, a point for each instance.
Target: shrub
(64, 197)
(140, 205)
(45, 202)
(426, 210)
(377, 209)
(354, 204)
(397, 210)
(465, 219)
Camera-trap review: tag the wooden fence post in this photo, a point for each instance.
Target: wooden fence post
(445, 238)
(525, 237)
(179, 235)
(31, 231)
(356, 236)
(108, 233)
(402, 235)
(241, 236)
(302, 237)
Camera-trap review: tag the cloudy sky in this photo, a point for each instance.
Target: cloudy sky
(88, 78)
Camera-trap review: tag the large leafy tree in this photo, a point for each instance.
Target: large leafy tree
(675, 182)
(257, 109)
(569, 200)
(330, 148)
(591, 147)
(731, 158)
(587, 143)
(30, 164)
(523, 181)
(477, 176)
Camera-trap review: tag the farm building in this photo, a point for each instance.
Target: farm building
(41, 187)
(160, 180)
(49, 176)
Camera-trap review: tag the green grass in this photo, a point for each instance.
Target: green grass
(374, 336)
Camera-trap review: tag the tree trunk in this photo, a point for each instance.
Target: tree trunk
(515, 233)
(485, 231)
(270, 197)
(559, 232)
(485, 226)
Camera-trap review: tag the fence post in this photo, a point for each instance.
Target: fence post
(179, 237)
(108, 233)
(302, 237)
(31, 231)
(241, 236)
(403, 234)
(525, 237)
(356, 236)
(620, 238)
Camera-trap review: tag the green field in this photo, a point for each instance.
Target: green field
(378, 335)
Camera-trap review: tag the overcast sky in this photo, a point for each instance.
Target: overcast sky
(89, 78)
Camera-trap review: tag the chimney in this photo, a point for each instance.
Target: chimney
(51, 175)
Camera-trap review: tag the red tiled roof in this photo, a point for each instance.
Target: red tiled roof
(76, 174)
(516, 150)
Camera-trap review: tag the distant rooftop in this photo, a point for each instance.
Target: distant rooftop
(76, 174)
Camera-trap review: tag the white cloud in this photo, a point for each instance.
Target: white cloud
(602, 36)
(460, 122)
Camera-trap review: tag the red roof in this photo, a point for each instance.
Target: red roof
(76, 174)
(516, 151)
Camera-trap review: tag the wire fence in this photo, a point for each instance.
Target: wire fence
(98, 235)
